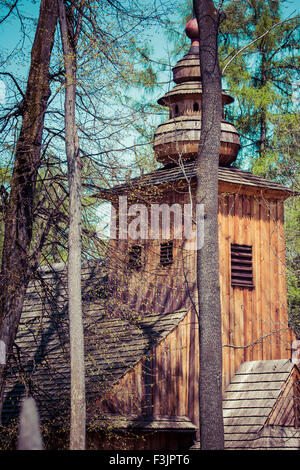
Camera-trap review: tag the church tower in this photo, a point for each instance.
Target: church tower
(157, 274)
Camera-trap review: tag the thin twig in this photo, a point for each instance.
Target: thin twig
(10, 11)
(255, 40)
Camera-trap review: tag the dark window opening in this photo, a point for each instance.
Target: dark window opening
(166, 253)
(241, 266)
(135, 256)
(176, 111)
(196, 106)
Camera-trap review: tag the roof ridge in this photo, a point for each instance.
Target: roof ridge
(177, 172)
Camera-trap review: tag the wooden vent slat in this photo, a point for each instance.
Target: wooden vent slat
(237, 260)
(241, 248)
(241, 274)
(166, 253)
(242, 255)
(241, 266)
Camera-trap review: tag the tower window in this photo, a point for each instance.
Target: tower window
(196, 106)
(176, 110)
(241, 266)
(135, 256)
(166, 253)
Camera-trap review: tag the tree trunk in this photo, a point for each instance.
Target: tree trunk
(15, 269)
(78, 405)
(263, 113)
(210, 336)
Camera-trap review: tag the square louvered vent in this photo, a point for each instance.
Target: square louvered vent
(241, 266)
(166, 253)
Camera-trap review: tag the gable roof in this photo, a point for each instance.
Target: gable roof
(188, 171)
(248, 402)
(113, 344)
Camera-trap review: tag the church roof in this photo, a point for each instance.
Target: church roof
(249, 401)
(187, 171)
(257, 390)
(113, 343)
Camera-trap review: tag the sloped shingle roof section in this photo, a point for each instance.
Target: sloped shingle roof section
(113, 344)
(248, 402)
(150, 423)
(188, 171)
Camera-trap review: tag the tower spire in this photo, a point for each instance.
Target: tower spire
(180, 135)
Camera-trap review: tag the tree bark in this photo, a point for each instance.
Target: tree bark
(263, 114)
(209, 306)
(78, 404)
(15, 268)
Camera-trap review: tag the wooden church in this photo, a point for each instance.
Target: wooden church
(140, 315)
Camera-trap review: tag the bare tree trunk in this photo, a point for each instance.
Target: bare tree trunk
(15, 269)
(78, 405)
(210, 335)
(263, 117)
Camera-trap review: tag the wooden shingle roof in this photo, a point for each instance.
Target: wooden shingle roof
(150, 423)
(188, 171)
(113, 344)
(248, 402)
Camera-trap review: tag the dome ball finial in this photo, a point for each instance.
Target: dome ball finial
(192, 31)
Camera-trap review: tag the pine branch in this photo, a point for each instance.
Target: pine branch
(255, 40)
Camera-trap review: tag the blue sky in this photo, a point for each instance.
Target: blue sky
(11, 37)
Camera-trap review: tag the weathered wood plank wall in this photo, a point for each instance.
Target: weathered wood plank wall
(163, 383)
(254, 319)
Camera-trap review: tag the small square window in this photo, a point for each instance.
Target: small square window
(166, 253)
(135, 256)
(241, 266)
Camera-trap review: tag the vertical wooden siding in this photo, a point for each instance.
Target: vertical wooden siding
(254, 320)
(165, 382)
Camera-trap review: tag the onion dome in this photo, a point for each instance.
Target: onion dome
(180, 135)
(188, 68)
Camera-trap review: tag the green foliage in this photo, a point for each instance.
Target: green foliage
(293, 263)
(282, 163)
(262, 77)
